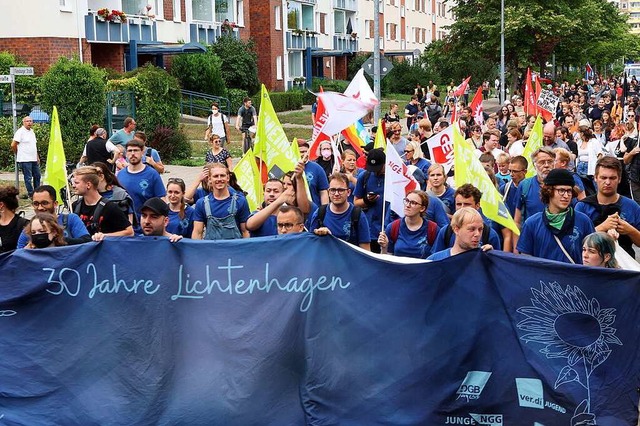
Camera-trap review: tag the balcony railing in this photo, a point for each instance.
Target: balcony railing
(345, 43)
(135, 28)
(301, 40)
(351, 5)
(208, 32)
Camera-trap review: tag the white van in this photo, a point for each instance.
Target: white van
(632, 69)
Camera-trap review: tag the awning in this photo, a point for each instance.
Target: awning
(321, 53)
(414, 52)
(170, 49)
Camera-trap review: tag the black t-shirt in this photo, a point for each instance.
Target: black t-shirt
(9, 233)
(113, 219)
(247, 115)
(97, 151)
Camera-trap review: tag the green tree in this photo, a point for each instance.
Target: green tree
(239, 60)
(27, 87)
(200, 72)
(78, 90)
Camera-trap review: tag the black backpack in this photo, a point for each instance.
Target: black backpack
(97, 214)
(355, 219)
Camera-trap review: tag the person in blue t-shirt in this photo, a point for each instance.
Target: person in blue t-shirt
(316, 177)
(413, 235)
(518, 170)
(557, 232)
(369, 194)
(528, 200)
(142, 182)
(437, 186)
(338, 219)
(44, 201)
(221, 215)
(467, 225)
(180, 213)
(610, 211)
(467, 196)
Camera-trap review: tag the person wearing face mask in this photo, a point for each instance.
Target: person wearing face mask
(218, 124)
(326, 160)
(43, 231)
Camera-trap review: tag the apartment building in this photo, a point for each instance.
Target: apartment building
(295, 39)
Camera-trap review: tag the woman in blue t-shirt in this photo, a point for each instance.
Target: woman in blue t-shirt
(350, 169)
(180, 213)
(413, 235)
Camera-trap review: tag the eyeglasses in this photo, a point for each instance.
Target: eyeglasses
(410, 203)
(544, 162)
(287, 225)
(339, 191)
(408, 151)
(516, 171)
(175, 180)
(397, 131)
(41, 203)
(563, 191)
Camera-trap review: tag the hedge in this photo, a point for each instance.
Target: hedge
(6, 136)
(282, 101)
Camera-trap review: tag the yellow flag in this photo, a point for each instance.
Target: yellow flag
(469, 170)
(55, 173)
(381, 140)
(534, 142)
(296, 152)
(272, 145)
(248, 176)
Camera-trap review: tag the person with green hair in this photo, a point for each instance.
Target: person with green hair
(599, 249)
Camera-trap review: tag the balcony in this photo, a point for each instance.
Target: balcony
(300, 40)
(345, 43)
(311, 2)
(208, 32)
(350, 5)
(135, 28)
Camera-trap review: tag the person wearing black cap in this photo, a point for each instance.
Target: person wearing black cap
(154, 217)
(557, 232)
(369, 193)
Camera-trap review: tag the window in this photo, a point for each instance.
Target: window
(139, 7)
(278, 67)
(65, 5)
(225, 9)
(295, 64)
(176, 10)
(339, 21)
(307, 18)
(202, 10)
(240, 13)
(368, 29)
(278, 17)
(323, 23)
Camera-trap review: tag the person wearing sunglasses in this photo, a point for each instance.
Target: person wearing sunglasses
(340, 218)
(557, 232)
(398, 141)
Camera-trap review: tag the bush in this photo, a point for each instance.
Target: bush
(329, 85)
(157, 96)
(6, 136)
(78, 90)
(404, 76)
(282, 101)
(236, 96)
(27, 87)
(238, 63)
(200, 72)
(172, 144)
(355, 63)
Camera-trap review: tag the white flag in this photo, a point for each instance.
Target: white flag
(359, 89)
(441, 148)
(398, 181)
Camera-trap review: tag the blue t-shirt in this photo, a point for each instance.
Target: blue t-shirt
(142, 186)
(75, 229)
(423, 164)
(536, 239)
(503, 179)
(494, 239)
(340, 224)
(154, 154)
(578, 181)
(269, 227)
(221, 209)
(313, 207)
(511, 200)
(121, 137)
(440, 255)
(317, 179)
(532, 202)
(375, 184)
(352, 187)
(437, 212)
(182, 226)
(410, 243)
(448, 199)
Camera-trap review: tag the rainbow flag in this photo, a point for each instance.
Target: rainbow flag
(356, 135)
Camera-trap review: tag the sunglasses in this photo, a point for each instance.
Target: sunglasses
(175, 180)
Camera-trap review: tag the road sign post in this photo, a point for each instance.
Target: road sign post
(16, 71)
(385, 66)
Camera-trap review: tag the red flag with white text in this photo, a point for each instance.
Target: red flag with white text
(476, 107)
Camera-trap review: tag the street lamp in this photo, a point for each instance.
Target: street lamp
(502, 87)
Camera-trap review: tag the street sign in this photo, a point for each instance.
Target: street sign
(6, 78)
(21, 70)
(385, 66)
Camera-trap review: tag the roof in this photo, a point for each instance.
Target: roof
(171, 49)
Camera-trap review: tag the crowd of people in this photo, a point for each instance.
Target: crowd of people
(581, 204)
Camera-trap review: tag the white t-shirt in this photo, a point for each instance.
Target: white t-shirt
(217, 124)
(27, 150)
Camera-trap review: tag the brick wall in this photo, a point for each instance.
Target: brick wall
(269, 41)
(42, 52)
(106, 55)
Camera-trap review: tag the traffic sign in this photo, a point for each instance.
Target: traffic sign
(6, 78)
(21, 70)
(385, 66)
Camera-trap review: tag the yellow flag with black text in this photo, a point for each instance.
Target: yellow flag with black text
(468, 169)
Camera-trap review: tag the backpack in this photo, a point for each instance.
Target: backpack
(125, 202)
(355, 219)
(432, 231)
(526, 186)
(97, 214)
(449, 232)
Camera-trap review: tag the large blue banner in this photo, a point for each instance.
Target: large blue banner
(307, 330)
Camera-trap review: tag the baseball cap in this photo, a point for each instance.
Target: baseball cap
(375, 160)
(157, 206)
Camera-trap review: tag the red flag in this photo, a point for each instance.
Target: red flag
(453, 113)
(317, 136)
(476, 107)
(529, 97)
(545, 114)
(463, 86)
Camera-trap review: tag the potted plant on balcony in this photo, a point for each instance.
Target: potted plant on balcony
(354, 35)
(117, 17)
(227, 27)
(103, 14)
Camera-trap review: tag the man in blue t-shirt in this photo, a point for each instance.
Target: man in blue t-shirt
(44, 201)
(557, 232)
(124, 135)
(338, 220)
(610, 211)
(518, 170)
(263, 222)
(369, 194)
(316, 177)
(467, 225)
(142, 182)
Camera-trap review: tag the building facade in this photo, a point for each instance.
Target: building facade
(295, 39)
